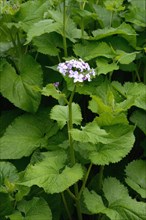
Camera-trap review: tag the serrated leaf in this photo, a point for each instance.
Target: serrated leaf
(51, 173)
(50, 90)
(133, 93)
(61, 114)
(119, 204)
(136, 176)
(7, 172)
(136, 15)
(46, 44)
(41, 27)
(26, 16)
(91, 133)
(26, 134)
(93, 49)
(19, 89)
(104, 67)
(116, 144)
(138, 117)
(37, 208)
(125, 58)
(125, 30)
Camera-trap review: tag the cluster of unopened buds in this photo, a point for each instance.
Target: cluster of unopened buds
(76, 69)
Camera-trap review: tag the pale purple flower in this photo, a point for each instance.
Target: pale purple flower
(76, 69)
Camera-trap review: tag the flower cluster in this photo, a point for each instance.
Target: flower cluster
(76, 69)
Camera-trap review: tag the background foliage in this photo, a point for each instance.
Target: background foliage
(108, 114)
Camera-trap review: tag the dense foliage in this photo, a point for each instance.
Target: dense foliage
(73, 142)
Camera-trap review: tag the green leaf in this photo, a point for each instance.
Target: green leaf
(50, 90)
(136, 15)
(136, 176)
(104, 66)
(138, 117)
(16, 216)
(125, 58)
(41, 27)
(114, 5)
(125, 30)
(119, 204)
(132, 92)
(61, 115)
(51, 173)
(37, 208)
(26, 134)
(46, 44)
(93, 49)
(19, 89)
(7, 172)
(26, 16)
(116, 144)
(5, 204)
(91, 133)
(6, 118)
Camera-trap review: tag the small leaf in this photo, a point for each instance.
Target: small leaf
(37, 209)
(136, 176)
(125, 58)
(19, 89)
(6, 207)
(61, 114)
(51, 173)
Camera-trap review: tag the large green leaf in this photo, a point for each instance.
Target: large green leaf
(19, 89)
(6, 206)
(119, 204)
(30, 13)
(112, 148)
(91, 133)
(131, 92)
(47, 44)
(51, 173)
(26, 134)
(61, 114)
(37, 208)
(50, 90)
(41, 27)
(93, 49)
(125, 30)
(104, 66)
(136, 176)
(138, 117)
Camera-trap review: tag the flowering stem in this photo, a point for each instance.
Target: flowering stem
(64, 29)
(72, 154)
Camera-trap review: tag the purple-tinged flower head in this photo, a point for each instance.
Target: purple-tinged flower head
(76, 69)
(56, 84)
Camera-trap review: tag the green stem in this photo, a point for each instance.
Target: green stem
(72, 154)
(85, 181)
(70, 126)
(66, 206)
(64, 29)
(100, 178)
(71, 194)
